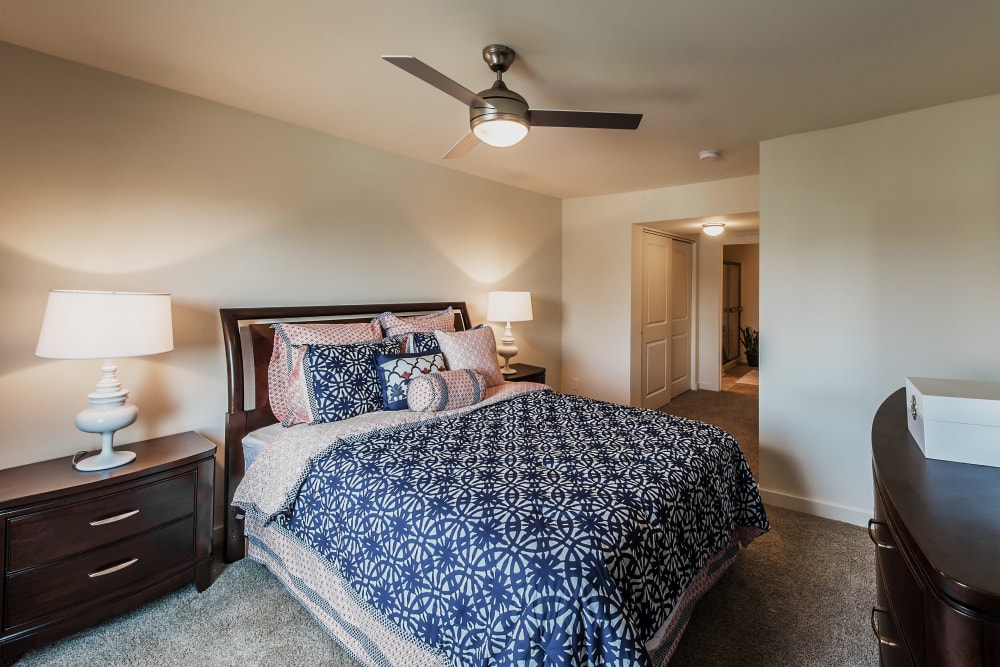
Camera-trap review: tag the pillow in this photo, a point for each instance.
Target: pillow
(342, 381)
(475, 349)
(285, 356)
(393, 325)
(424, 341)
(396, 370)
(420, 341)
(446, 390)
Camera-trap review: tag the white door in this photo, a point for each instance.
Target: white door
(655, 331)
(679, 307)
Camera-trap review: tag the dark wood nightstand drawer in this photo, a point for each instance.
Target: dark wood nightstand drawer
(92, 577)
(49, 548)
(526, 373)
(52, 534)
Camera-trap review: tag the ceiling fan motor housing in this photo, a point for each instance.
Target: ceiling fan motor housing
(506, 105)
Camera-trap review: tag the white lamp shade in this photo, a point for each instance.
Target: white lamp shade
(105, 325)
(509, 307)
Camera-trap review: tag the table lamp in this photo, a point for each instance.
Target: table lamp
(105, 325)
(508, 307)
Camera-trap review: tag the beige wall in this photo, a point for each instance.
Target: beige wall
(879, 259)
(598, 336)
(110, 184)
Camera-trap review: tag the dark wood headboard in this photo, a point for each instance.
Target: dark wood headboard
(249, 340)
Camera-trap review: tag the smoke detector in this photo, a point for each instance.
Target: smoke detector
(709, 155)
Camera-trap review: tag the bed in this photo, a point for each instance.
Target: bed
(527, 527)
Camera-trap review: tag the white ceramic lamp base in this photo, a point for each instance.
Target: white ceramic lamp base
(108, 412)
(507, 349)
(104, 461)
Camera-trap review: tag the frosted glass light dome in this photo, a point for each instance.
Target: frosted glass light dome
(500, 132)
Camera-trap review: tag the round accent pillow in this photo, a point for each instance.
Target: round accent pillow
(446, 390)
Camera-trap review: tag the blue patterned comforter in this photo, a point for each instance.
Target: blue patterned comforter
(547, 529)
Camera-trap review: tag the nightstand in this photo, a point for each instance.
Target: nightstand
(526, 373)
(80, 547)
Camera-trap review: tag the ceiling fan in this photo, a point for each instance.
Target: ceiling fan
(500, 117)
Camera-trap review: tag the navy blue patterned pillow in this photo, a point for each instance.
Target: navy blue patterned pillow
(344, 381)
(421, 342)
(396, 370)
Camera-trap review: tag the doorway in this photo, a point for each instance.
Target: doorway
(740, 291)
(731, 310)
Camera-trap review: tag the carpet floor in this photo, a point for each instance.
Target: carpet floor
(734, 410)
(799, 595)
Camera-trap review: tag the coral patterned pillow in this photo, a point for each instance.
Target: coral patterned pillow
(394, 325)
(285, 383)
(475, 349)
(395, 371)
(446, 390)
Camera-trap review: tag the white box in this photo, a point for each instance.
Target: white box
(955, 420)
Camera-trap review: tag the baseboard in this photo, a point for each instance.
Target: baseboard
(817, 508)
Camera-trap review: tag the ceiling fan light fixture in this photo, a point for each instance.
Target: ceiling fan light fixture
(499, 116)
(713, 228)
(500, 132)
(505, 121)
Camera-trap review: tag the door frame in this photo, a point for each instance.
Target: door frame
(738, 309)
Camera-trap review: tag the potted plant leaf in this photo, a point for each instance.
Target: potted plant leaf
(750, 338)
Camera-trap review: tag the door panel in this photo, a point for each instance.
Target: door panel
(656, 361)
(655, 324)
(666, 318)
(680, 316)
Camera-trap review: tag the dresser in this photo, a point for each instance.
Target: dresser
(80, 547)
(937, 552)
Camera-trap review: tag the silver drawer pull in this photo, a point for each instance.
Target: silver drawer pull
(871, 533)
(878, 635)
(112, 519)
(113, 568)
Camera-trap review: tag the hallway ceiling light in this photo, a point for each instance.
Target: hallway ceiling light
(713, 228)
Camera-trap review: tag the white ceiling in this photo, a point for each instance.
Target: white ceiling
(722, 74)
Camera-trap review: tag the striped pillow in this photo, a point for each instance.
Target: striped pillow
(446, 390)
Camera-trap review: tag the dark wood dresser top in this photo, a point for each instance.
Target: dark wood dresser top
(38, 481)
(949, 512)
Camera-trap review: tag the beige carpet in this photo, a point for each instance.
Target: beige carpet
(734, 410)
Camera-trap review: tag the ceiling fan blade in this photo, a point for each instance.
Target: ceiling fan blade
(462, 146)
(428, 74)
(605, 120)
